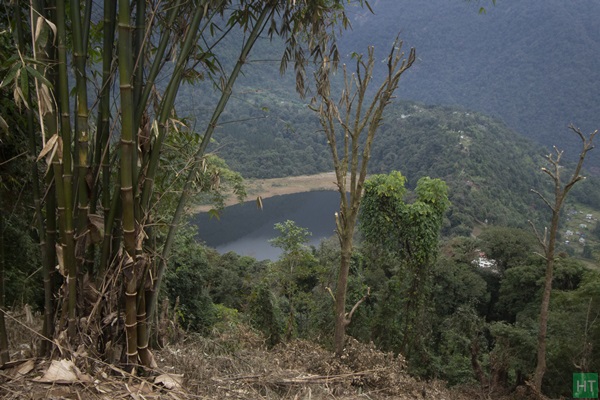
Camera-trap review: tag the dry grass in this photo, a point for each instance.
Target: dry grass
(233, 363)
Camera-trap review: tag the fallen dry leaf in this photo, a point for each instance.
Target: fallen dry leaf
(169, 381)
(63, 371)
(24, 368)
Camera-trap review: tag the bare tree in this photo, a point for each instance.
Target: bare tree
(350, 135)
(548, 239)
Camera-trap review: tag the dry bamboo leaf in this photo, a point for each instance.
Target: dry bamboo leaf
(63, 371)
(28, 314)
(60, 371)
(96, 227)
(140, 389)
(49, 146)
(45, 101)
(169, 381)
(24, 368)
(50, 24)
(38, 29)
(19, 97)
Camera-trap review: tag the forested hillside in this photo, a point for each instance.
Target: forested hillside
(532, 64)
(489, 168)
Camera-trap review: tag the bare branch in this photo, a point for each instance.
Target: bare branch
(543, 199)
(358, 303)
(541, 241)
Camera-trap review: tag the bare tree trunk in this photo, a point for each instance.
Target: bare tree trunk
(549, 243)
(350, 136)
(341, 321)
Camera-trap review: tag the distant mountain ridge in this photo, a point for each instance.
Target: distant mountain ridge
(490, 169)
(534, 64)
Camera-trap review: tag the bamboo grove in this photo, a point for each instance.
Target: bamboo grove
(97, 123)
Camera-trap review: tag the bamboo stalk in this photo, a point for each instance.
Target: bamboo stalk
(67, 173)
(4, 354)
(127, 128)
(157, 63)
(173, 226)
(129, 271)
(127, 171)
(102, 146)
(35, 182)
(167, 105)
(49, 57)
(81, 126)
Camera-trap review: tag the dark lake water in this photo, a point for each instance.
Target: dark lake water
(246, 230)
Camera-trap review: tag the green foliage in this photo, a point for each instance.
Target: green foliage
(404, 237)
(462, 342)
(21, 253)
(294, 276)
(510, 247)
(292, 238)
(412, 230)
(202, 279)
(519, 288)
(187, 280)
(266, 314)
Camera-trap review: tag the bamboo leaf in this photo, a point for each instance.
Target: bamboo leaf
(53, 27)
(19, 97)
(49, 146)
(61, 261)
(10, 76)
(96, 227)
(40, 36)
(24, 81)
(45, 101)
(34, 72)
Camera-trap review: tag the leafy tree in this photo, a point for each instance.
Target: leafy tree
(350, 134)
(294, 272)
(548, 240)
(266, 314)
(409, 233)
(509, 247)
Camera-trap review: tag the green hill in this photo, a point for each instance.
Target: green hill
(490, 168)
(533, 64)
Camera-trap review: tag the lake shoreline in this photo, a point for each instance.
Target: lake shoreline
(266, 188)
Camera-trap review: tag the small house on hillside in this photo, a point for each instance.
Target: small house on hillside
(483, 262)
